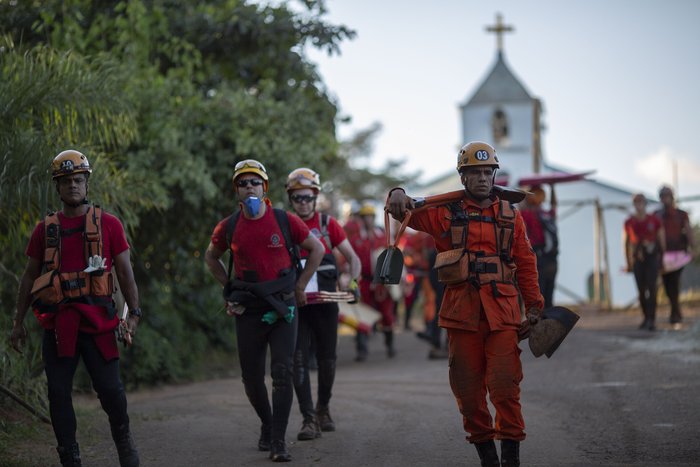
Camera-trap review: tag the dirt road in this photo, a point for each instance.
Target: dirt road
(611, 396)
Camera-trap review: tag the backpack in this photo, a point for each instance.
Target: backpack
(551, 236)
(282, 221)
(327, 271)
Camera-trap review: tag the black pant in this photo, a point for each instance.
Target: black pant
(59, 375)
(417, 289)
(321, 321)
(254, 336)
(547, 273)
(439, 288)
(672, 286)
(646, 274)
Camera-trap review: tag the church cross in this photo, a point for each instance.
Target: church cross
(499, 29)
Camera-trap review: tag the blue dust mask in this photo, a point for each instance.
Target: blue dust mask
(252, 205)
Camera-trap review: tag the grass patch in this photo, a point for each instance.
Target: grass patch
(25, 441)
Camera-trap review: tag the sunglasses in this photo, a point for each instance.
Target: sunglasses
(303, 198)
(249, 181)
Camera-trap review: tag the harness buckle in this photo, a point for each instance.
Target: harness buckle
(72, 284)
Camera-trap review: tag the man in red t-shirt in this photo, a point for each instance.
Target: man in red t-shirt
(368, 240)
(542, 232)
(318, 320)
(679, 238)
(263, 294)
(78, 315)
(644, 244)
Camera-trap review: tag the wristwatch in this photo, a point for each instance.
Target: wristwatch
(135, 312)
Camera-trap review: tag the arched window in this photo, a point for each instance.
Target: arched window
(499, 126)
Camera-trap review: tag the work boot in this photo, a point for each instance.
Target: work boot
(389, 342)
(323, 415)
(70, 456)
(309, 430)
(488, 454)
(510, 453)
(361, 344)
(265, 435)
(126, 448)
(278, 451)
(438, 354)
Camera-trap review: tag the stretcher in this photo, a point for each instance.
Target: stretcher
(328, 297)
(554, 177)
(358, 316)
(674, 260)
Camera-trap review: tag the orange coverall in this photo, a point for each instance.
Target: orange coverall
(482, 326)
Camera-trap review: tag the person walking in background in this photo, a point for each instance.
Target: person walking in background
(542, 232)
(438, 349)
(367, 239)
(319, 320)
(644, 245)
(416, 247)
(68, 282)
(679, 239)
(481, 241)
(263, 287)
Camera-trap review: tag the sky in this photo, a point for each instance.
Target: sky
(619, 81)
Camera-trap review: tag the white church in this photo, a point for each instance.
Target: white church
(590, 212)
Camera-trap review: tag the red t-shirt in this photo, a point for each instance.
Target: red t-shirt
(674, 221)
(75, 316)
(258, 244)
(336, 234)
(533, 225)
(642, 230)
(365, 244)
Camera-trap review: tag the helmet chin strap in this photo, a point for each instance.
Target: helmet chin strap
(75, 205)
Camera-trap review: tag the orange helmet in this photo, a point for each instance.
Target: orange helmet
(250, 166)
(303, 178)
(69, 162)
(476, 154)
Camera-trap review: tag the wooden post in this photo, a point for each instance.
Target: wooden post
(536, 137)
(606, 262)
(596, 252)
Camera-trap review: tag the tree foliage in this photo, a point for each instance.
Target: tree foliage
(163, 97)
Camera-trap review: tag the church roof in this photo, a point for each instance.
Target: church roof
(500, 86)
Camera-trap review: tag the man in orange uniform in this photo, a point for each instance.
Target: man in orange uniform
(481, 241)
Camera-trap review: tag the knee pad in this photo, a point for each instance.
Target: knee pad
(281, 374)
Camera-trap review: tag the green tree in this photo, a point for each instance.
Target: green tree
(207, 84)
